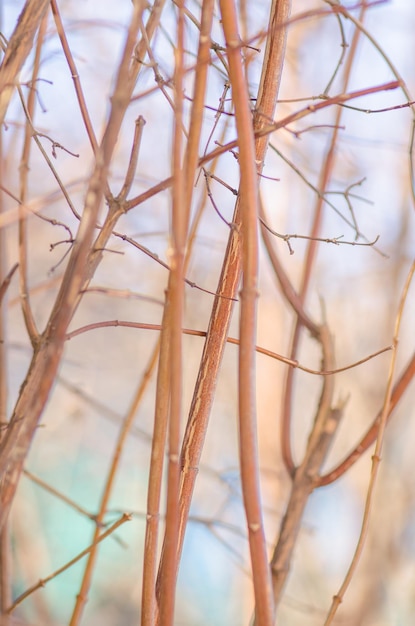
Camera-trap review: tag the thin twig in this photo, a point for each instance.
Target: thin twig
(263, 132)
(126, 517)
(58, 494)
(132, 165)
(6, 281)
(24, 171)
(202, 333)
(127, 423)
(310, 256)
(75, 76)
(334, 240)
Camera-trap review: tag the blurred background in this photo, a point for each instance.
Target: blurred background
(360, 287)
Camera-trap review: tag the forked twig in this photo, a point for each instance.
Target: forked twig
(262, 132)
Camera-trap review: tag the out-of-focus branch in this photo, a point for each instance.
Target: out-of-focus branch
(5, 279)
(370, 437)
(308, 265)
(126, 517)
(18, 49)
(149, 611)
(24, 171)
(109, 484)
(305, 476)
(385, 412)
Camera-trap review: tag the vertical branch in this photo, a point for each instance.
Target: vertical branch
(5, 578)
(5, 575)
(3, 278)
(269, 85)
(183, 177)
(196, 117)
(24, 170)
(248, 202)
(230, 275)
(148, 598)
(174, 319)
